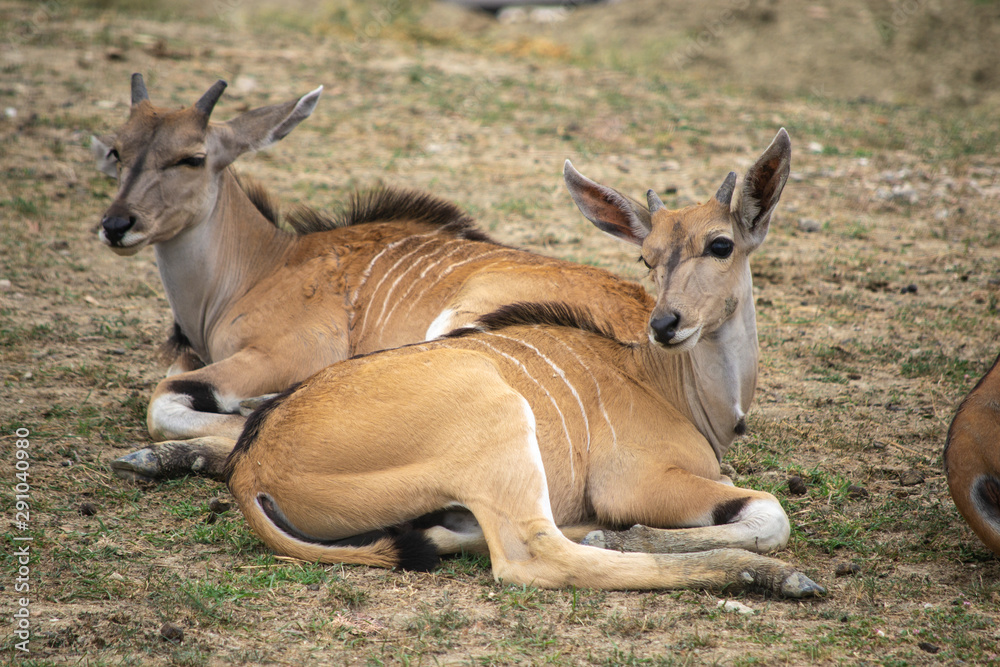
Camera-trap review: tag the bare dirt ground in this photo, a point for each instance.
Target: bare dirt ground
(877, 294)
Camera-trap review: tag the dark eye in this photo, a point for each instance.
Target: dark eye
(191, 161)
(643, 260)
(720, 248)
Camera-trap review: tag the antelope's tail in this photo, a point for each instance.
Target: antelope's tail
(407, 549)
(972, 459)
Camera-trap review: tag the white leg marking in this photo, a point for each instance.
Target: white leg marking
(760, 526)
(541, 388)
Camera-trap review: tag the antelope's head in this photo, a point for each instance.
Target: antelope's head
(169, 162)
(697, 256)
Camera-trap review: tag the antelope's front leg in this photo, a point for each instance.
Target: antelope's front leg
(677, 511)
(197, 417)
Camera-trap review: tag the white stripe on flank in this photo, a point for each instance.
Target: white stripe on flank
(416, 281)
(562, 374)
(555, 405)
(597, 387)
(386, 274)
(454, 266)
(392, 288)
(535, 452)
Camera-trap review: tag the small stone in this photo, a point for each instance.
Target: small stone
(911, 478)
(815, 147)
(796, 486)
(847, 569)
(854, 491)
(5, 285)
(172, 633)
(929, 648)
(909, 289)
(734, 606)
(218, 506)
(88, 509)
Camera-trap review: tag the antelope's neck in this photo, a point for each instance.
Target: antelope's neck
(209, 266)
(714, 383)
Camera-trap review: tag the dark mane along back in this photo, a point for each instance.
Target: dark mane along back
(381, 204)
(549, 313)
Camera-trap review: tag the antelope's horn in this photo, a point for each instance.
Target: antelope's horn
(655, 204)
(208, 100)
(725, 193)
(139, 93)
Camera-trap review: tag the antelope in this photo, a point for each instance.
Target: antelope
(972, 458)
(536, 427)
(257, 307)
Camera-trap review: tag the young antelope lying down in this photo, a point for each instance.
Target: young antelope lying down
(540, 424)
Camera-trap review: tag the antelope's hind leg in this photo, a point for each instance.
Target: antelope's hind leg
(708, 515)
(175, 458)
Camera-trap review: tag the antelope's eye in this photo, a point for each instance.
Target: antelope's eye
(643, 260)
(720, 248)
(191, 161)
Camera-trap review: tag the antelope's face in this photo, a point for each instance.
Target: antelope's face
(698, 257)
(166, 180)
(169, 163)
(701, 273)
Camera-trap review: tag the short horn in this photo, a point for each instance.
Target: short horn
(139, 93)
(208, 100)
(655, 203)
(725, 193)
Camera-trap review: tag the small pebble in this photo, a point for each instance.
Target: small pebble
(88, 509)
(909, 289)
(911, 478)
(796, 486)
(172, 633)
(854, 491)
(847, 569)
(218, 506)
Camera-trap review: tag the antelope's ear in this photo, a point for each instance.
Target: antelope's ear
(611, 211)
(761, 188)
(106, 162)
(259, 128)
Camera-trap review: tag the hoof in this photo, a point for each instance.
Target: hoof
(139, 466)
(798, 585)
(595, 538)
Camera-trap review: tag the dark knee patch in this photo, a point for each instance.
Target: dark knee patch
(727, 511)
(201, 394)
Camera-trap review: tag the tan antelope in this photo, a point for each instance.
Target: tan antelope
(258, 308)
(537, 423)
(972, 458)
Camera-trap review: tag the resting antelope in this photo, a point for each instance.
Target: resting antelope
(258, 308)
(972, 458)
(537, 420)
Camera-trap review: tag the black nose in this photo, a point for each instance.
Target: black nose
(665, 327)
(115, 227)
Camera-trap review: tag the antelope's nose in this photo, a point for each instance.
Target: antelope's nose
(665, 327)
(115, 227)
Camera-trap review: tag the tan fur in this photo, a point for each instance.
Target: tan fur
(264, 308)
(531, 424)
(972, 458)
